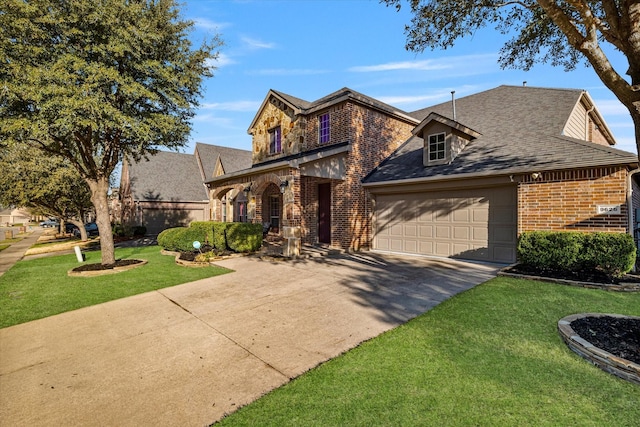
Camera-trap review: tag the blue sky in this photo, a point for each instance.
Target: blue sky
(310, 48)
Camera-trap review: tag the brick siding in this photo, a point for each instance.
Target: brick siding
(567, 200)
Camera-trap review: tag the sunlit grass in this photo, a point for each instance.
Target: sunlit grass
(39, 288)
(491, 356)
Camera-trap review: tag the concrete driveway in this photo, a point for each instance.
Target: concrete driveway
(187, 355)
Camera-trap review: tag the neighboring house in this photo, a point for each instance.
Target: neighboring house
(459, 179)
(12, 216)
(168, 190)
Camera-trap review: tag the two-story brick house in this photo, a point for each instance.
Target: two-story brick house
(309, 159)
(459, 179)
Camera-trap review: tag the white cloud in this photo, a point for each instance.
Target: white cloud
(257, 44)
(221, 61)
(444, 63)
(250, 106)
(206, 24)
(395, 66)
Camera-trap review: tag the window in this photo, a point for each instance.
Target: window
(436, 147)
(274, 211)
(275, 140)
(324, 129)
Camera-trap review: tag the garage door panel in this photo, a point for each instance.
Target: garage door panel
(425, 247)
(473, 224)
(426, 231)
(480, 234)
(443, 232)
(410, 230)
(462, 233)
(396, 245)
(461, 215)
(504, 234)
(396, 230)
(411, 246)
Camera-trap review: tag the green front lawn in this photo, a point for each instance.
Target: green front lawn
(41, 287)
(491, 356)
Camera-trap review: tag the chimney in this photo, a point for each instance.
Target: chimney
(453, 103)
(524, 83)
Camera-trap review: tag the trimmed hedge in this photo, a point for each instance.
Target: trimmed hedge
(234, 236)
(611, 253)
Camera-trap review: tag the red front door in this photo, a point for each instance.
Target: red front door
(324, 213)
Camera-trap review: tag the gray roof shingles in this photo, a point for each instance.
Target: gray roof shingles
(176, 177)
(521, 131)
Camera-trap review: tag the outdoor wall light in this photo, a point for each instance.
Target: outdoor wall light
(536, 175)
(283, 185)
(247, 189)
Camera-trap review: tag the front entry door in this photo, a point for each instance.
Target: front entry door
(324, 213)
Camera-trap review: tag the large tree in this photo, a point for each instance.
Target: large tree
(95, 81)
(46, 185)
(563, 33)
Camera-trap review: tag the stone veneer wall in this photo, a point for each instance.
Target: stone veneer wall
(567, 200)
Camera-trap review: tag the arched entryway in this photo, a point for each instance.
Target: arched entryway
(272, 208)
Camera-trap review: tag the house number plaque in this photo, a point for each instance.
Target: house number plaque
(608, 209)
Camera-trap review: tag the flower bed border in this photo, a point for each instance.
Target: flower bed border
(186, 263)
(623, 368)
(114, 270)
(620, 287)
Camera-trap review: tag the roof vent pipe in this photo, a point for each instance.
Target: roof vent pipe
(524, 83)
(453, 103)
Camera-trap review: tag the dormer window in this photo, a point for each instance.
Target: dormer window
(437, 147)
(275, 140)
(324, 129)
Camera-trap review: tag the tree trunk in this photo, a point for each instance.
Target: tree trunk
(99, 189)
(80, 225)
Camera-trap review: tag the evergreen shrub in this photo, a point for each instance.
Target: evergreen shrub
(611, 253)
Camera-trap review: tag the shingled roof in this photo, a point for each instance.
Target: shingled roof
(167, 176)
(300, 106)
(232, 159)
(521, 132)
(177, 177)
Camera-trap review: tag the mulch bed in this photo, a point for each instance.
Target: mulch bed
(618, 336)
(578, 276)
(101, 267)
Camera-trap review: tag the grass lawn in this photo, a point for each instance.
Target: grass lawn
(39, 288)
(490, 356)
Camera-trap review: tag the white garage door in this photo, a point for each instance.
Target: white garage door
(478, 224)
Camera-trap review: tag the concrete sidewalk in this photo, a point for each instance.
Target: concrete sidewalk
(16, 251)
(187, 355)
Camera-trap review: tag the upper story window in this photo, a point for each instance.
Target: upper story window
(324, 129)
(275, 140)
(437, 146)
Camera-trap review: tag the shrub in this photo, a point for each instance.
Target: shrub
(207, 231)
(167, 238)
(550, 250)
(235, 236)
(244, 237)
(611, 253)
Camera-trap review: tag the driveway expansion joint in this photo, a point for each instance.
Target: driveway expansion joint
(269, 365)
